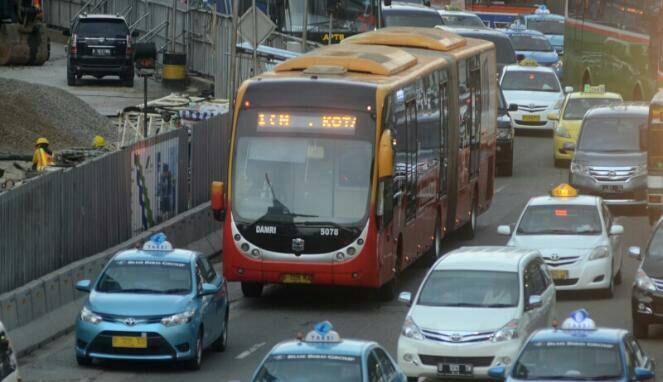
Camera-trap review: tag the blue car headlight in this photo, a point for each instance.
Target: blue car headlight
(88, 316)
(179, 318)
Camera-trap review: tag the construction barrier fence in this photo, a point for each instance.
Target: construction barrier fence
(67, 215)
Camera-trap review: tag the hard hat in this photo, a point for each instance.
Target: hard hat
(98, 142)
(41, 141)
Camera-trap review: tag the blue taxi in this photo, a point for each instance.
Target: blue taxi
(154, 304)
(534, 45)
(322, 356)
(579, 351)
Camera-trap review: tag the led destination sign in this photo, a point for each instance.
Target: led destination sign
(306, 122)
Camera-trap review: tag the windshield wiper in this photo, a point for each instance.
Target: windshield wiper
(138, 290)
(603, 377)
(175, 291)
(497, 305)
(463, 304)
(327, 224)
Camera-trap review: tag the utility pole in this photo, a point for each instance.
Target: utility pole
(255, 38)
(233, 58)
(174, 30)
(305, 27)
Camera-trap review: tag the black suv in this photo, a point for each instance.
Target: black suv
(647, 294)
(100, 45)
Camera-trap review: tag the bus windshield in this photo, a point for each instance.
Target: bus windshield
(354, 16)
(286, 173)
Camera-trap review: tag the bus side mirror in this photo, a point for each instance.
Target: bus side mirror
(66, 32)
(386, 156)
(387, 3)
(218, 201)
(385, 204)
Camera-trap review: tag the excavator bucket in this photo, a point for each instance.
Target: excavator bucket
(21, 45)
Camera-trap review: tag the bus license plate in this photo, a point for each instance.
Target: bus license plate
(612, 188)
(455, 369)
(559, 274)
(130, 342)
(297, 278)
(101, 52)
(531, 118)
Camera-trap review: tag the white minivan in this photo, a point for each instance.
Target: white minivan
(473, 311)
(8, 364)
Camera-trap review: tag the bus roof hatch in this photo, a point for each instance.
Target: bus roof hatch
(426, 38)
(366, 59)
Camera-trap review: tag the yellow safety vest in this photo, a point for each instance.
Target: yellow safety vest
(41, 159)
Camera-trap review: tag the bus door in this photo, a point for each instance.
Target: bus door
(411, 126)
(475, 116)
(444, 142)
(465, 125)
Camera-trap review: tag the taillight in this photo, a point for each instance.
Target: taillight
(129, 47)
(74, 43)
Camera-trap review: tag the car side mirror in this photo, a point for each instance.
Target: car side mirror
(616, 229)
(497, 372)
(553, 116)
(635, 252)
(135, 33)
(218, 201)
(208, 289)
(504, 230)
(568, 89)
(642, 374)
(534, 301)
(66, 32)
(406, 298)
(513, 107)
(84, 286)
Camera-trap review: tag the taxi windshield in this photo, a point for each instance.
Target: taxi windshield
(146, 276)
(574, 360)
(611, 134)
(531, 43)
(460, 288)
(310, 367)
(530, 81)
(560, 220)
(577, 107)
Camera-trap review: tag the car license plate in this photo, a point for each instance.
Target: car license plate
(455, 369)
(297, 278)
(531, 118)
(101, 52)
(559, 274)
(612, 188)
(130, 342)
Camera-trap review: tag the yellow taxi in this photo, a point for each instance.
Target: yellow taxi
(569, 119)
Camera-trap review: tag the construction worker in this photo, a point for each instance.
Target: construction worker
(98, 142)
(43, 156)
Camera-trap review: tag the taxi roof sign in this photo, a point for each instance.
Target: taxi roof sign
(542, 10)
(564, 191)
(599, 89)
(579, 320)
(323, 333)
(157, 243)
(529, 62)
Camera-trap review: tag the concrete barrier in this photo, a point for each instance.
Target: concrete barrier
(34, 302)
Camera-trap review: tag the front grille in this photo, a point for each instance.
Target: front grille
(457, 337)
(565, 282)
(658, 283)
(612, 174)
(433, 360)
(531, 123)
(156, 345)
(532, 108)
(139, 320)
(563, 260)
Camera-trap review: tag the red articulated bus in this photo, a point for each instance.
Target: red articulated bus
(350, 162)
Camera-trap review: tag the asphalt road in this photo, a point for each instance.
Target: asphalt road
(257, 325)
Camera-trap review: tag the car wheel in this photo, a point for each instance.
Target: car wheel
(83, 360)
(412, 379)
(71, 77)
(435, 251)
(252, 290)
(222, 342)
(507, 170)
(610, 290)
(640, 329)
(618, 276)
(469, 229)
(653, 217)
(197, 360)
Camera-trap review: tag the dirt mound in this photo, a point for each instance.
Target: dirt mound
(29, 111)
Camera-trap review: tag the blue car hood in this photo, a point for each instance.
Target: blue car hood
(138, 305)
(545, 58)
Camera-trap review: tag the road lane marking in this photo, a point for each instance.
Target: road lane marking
(499, 189)
(251, 350)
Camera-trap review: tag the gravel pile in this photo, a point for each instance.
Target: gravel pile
(29, 111)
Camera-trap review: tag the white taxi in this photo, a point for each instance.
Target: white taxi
(536, 90)
(577, 237)
(473, 311)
